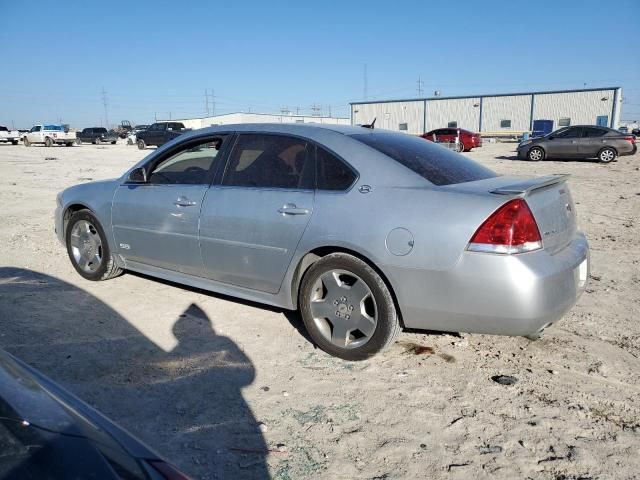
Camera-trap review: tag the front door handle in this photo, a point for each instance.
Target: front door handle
(184, 202)
(574, 141)
(292, 209)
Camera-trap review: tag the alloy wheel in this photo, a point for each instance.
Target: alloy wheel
(343, 309)
(86, 246)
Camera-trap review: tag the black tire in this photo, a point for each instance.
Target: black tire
(48, 142)
(69, 144)
(113, 143)
(107, 268)
(14, 142)
(26, 142)
(607, 155)
(535, 154)
(78, 141)
(460, 147)
(141, 145)
(387, 327)
(97, 141)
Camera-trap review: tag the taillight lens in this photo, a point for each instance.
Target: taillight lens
(510, 229)
(631, 139)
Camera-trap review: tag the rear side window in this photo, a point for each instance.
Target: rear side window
(270, 161)
(432, 162)
(333, 174)
(593, 132)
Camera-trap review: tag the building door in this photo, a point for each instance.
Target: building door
(602, 120)
(542, 127)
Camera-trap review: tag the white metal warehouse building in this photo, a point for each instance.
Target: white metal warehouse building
(240, 117)
(501, 114)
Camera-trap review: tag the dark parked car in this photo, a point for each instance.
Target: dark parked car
(468, 139)
(46, 432)
(580, 141)
(160, 133)
(97, 135)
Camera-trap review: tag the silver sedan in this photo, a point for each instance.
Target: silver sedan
(364, 231)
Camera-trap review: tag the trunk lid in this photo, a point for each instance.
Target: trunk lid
(549, 199)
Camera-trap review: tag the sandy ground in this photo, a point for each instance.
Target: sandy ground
(228, 389)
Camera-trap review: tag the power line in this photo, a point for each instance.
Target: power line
(104, 102)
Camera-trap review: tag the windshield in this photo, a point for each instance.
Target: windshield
(432, 162)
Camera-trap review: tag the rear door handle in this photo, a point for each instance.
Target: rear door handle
(184, 202)
(292, 209)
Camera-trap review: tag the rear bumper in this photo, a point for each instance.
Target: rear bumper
(494, 294)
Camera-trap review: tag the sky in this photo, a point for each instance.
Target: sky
(155, 59)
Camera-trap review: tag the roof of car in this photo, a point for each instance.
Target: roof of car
(300, 128)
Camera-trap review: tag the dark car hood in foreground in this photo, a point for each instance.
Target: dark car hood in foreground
(48, 433)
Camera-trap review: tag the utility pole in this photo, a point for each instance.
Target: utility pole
(104, 102)
(213, 103)
(366, 81)
(206, 101)
(420, 85)
(315, 109)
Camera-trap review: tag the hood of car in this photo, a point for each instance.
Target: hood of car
(45, 430)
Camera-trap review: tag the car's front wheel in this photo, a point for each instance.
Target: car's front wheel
(88, 248)
(141, 145)
(535, 154)
(607, 155)
(26, 142)
(48, 142)
(347, 308)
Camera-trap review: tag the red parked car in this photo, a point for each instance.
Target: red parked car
(468, 140)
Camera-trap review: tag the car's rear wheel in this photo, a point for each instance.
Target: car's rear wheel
(69, 144)
(535, 154)
(113, 143)
(88, 248)
(141, 145)
(347, 308)
(48, 142)
(26, 142)
(78, 141)
(97, 141)
(607, 155)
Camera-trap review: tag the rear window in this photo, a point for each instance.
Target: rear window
(432, 162)
(53, 127)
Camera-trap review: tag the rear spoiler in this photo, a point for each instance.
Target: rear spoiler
(525, 187)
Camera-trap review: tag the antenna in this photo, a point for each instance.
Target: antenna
(370, 125)
(104, 102)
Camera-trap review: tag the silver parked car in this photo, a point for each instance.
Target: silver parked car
(364, 231)
(581, 141)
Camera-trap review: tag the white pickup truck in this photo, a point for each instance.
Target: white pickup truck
(49, 134)
(7, 135)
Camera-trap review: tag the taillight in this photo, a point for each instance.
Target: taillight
(510, 229)
(631, 139)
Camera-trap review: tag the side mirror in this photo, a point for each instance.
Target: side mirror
(138, 175)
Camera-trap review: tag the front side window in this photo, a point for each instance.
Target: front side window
(56, 128)
(568, 133)
(437, 165)
(564, 122)
(270, 161)
(333, 174)
(191, 165)
(36, 128)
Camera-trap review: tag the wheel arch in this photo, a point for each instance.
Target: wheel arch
(611, 147)
(70, 210)
(317, 253)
